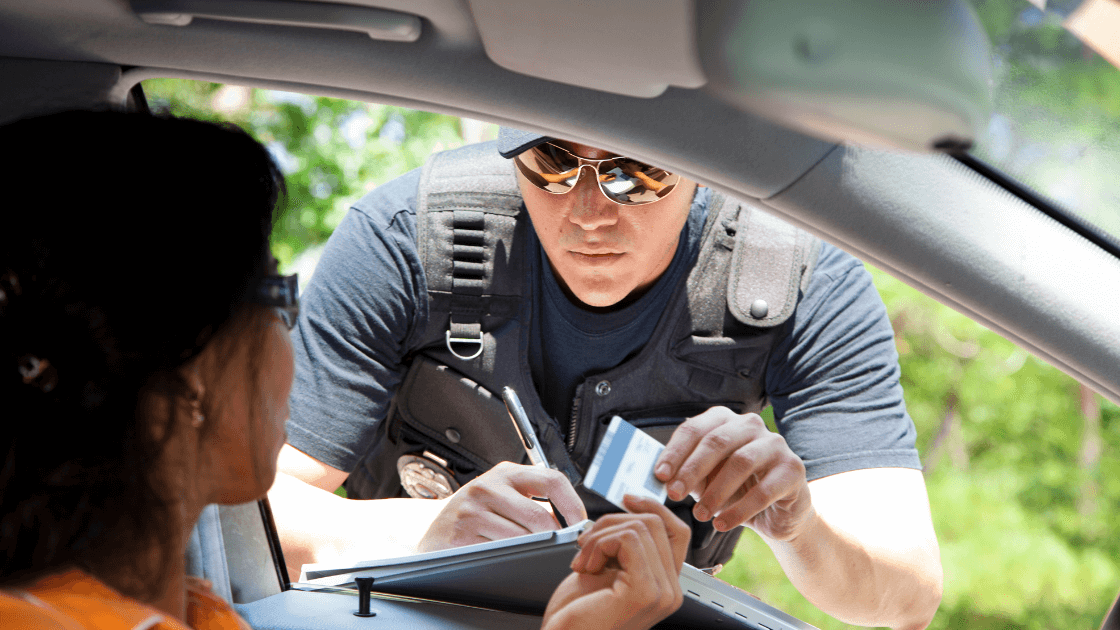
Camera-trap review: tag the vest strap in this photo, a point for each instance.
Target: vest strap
(467, 213)
(771, 262)
(466, 337)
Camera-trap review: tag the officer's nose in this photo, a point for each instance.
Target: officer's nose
(590, 208)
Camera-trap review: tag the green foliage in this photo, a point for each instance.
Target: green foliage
(331, 151)
(1017, 547)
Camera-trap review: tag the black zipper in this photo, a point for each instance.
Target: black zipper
(573, 422)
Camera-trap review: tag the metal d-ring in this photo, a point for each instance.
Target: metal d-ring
(451, 340)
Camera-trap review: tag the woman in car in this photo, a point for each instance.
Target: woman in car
(144, 373)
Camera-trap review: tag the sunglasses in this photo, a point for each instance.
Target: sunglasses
(281, 292)
(623, 180)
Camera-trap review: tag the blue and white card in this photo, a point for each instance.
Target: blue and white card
(624, 464)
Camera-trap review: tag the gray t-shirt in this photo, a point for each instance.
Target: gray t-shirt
(833, 378)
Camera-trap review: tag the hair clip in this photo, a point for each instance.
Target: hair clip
(38, 372)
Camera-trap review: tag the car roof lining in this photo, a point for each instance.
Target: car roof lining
(912, 217)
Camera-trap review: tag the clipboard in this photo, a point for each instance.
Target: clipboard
(520, 574)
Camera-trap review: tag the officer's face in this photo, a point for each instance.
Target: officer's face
(603, 253)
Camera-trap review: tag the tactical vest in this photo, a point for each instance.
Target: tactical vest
(448, 424)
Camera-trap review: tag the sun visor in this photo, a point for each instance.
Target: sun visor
(623, 47)
(909, 74)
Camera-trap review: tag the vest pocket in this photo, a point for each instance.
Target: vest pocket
(441, 410)
(661, 422)
(736, 357)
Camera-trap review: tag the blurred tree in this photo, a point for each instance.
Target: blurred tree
(1002, 435)
(331, 151)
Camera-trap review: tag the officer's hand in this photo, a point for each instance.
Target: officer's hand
(497, 505)
(627, 572)
(741, 472)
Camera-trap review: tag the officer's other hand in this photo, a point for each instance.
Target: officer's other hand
(739, 471)
(498, 504)
(627, 572)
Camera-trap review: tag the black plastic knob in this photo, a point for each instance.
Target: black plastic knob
(365, 585)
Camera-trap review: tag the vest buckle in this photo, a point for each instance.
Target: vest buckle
(464, 340)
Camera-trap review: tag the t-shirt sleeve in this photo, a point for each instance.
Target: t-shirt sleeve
(358, 318)
(834, 379)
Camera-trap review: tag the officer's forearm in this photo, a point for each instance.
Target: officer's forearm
(863, 582)
(318, 526)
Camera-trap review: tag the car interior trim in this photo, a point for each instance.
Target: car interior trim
(377, 23)
(1010, 266)
(624, 60)
(1073, 221)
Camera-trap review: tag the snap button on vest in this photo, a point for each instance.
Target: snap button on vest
(603, 388)
(452, 436)
(759, 309)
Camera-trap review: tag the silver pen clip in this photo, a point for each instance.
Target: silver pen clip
(524, 428)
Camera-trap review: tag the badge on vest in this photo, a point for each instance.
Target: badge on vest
(426, 476)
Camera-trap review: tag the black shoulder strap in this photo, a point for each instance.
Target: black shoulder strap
(772, 261)
(467, 227)
(751, 265)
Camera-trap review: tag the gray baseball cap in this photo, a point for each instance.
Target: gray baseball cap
(514, 141)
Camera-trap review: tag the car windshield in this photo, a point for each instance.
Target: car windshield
(1056, 104)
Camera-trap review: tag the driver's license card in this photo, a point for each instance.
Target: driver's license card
(624, 464)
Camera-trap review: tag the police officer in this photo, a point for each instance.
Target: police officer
(597, 285)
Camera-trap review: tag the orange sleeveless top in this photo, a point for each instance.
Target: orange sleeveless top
(75, 600)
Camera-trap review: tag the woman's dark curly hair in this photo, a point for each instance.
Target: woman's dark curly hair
(127, 243)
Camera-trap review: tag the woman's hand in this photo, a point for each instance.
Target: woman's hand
(627, 573)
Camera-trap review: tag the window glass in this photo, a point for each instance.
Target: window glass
(1056, 122)
(331, 151)
(1022, 463)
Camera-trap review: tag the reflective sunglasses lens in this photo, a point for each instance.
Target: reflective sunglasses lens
(622, 180)
(549, 168)
(631, 182)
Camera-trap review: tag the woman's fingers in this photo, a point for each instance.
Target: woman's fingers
(664, 535)
(627, 572)
(677, 533)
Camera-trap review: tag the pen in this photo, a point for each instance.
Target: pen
(528, 439)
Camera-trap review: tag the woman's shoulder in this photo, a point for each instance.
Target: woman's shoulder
(74, 600)
(207, 611)
(19, 610)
